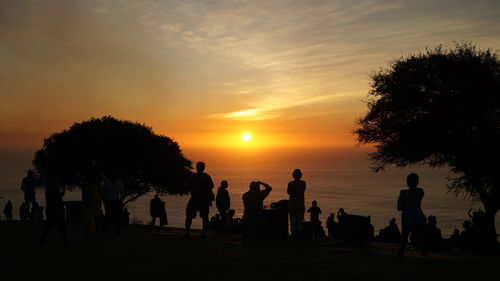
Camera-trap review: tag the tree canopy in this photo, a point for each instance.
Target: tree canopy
(88, 151)
(440, 107)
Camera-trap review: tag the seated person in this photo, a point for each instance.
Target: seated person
(332, 226)
(434, 237)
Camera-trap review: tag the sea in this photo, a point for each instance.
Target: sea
(336, 178)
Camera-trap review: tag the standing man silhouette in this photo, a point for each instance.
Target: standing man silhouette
(412, 217)
(200, 185)
(112, 194)
(28, 187)
(223, 201)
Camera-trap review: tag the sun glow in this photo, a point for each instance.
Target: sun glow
(246, 137)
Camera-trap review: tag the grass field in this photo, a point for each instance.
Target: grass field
(153, 253)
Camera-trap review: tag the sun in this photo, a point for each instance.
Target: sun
(246, 137)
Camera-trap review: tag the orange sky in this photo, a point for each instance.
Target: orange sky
(291, 73)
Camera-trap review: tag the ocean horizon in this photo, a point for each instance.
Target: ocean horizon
(336, 178)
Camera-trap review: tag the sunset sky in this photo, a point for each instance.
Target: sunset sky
(290, 73)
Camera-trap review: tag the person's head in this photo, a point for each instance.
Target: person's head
(315, 203)
(217, 216)
(254, 186)
(231, 213)
(297, 174)
(156, 196)
(432, 220)
(200, 167)
(332, 215)
(456, 232)
(466, 225)
(412, 180)
(223, 184)
(31, 173)
(392, 222)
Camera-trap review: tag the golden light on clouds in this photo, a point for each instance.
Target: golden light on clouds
(293, 72)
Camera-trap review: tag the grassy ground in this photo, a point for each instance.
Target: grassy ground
(153, 253)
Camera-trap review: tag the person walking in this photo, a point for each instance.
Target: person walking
(54, 210)
(296, 205)
(413, 219)
(112, 194)
(200, 185)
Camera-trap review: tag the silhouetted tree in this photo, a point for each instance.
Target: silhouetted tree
(88, 151)
(440, 107)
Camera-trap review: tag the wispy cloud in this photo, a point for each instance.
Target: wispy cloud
(298, 53)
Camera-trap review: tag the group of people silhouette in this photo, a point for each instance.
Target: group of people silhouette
(421, 230)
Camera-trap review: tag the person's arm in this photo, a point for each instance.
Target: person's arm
(288, 189)
(319, 210)
(267, 189)
(210, 182)
(23, 185)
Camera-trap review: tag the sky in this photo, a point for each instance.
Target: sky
(290, 73)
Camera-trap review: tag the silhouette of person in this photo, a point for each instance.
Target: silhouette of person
(434, 237)
(455, 238)
(412, 217)
(332, 226)
(200, 185)
(54, 207)
(222, 200)
(296, 205)
(36, 214)
(253, 214)
(467, 236)
(112, 194)
(91, 199)
(24, 211)
(392, 232)
(315, 211)
(28, 186)
(155, 206)
(7, 211)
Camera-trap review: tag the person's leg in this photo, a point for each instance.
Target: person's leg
(422, 240)
(203, 208)
(153, 220)
(205, 226)
(62, 230)
(107, 215)
(405, 233)
(293, 227)
(189, 218)
(46, 229)
(117, 217)
(188, 222)
(300, 221)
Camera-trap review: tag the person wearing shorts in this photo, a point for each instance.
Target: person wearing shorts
(200, 185)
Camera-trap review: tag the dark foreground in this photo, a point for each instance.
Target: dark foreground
(151, 253)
